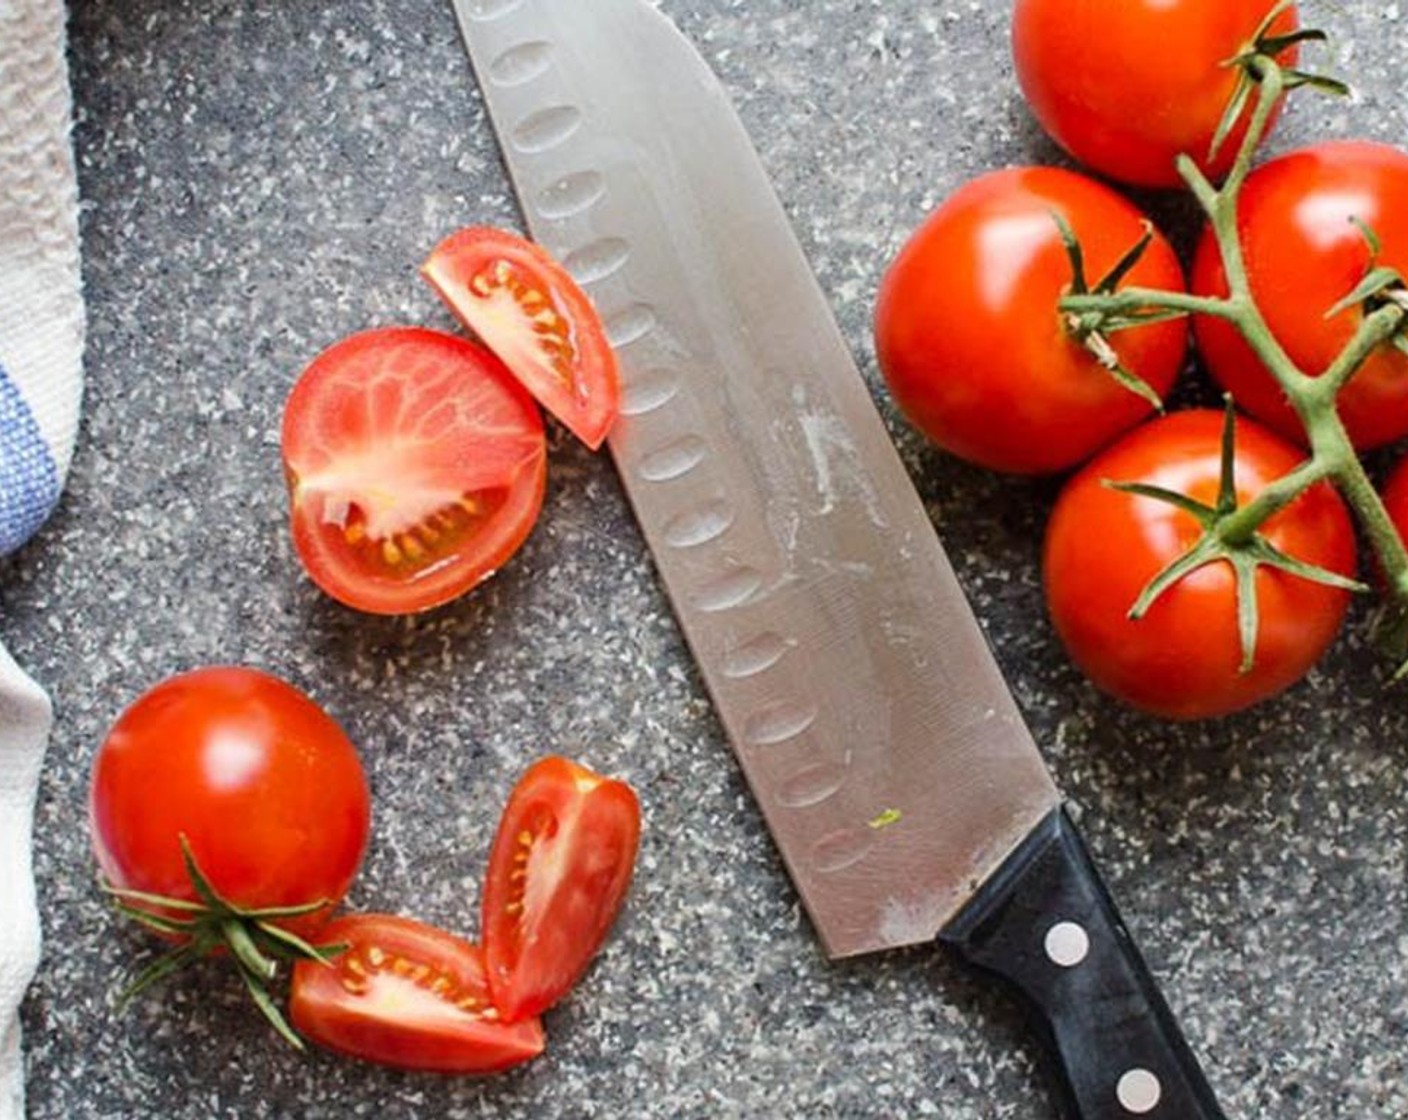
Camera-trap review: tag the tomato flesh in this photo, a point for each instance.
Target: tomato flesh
(416, 467)
(559, 870)
(1304, 254)
(408, 995)
(527, 309)
(972, 344)
(1128, 86)
(1182, 659)
(264, 785)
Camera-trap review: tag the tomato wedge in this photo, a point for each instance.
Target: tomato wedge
(409, 995)
(532, 314)
(416, 467)
(558, 872)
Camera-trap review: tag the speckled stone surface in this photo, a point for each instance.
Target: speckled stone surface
(262, 179)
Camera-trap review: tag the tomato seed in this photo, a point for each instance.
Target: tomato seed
(376, 956)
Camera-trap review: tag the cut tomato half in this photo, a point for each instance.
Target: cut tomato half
(558, 873)
(416, 467)
(532, 314)
(408, 995)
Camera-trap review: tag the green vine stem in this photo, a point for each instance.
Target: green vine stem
(1314, 398)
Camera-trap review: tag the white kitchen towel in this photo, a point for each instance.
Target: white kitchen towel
(41, 384)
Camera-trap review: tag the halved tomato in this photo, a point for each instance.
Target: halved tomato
(558, 873)
(409, 995)
(416, 467)
(531, 313)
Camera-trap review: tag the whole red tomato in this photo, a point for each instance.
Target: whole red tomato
(1182, 659)
(970, 338)
(262, 783)
(1304, 254)
(1126, 86)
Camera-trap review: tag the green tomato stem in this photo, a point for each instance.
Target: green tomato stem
(1239, 527)
(1375, 329)
(1133, 299)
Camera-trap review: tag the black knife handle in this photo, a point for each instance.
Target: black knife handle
(1046, 925)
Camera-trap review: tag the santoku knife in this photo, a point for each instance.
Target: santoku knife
(904, 791)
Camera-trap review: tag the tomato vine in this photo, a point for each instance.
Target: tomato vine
(1314, 397)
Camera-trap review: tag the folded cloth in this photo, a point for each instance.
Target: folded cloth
(41, 350)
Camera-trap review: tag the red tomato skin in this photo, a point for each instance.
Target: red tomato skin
(590, 405)
(541, 932)
(1395, 496)
(1126, 87)
(505, 464)
(1181, 660)
(1303, 256)
(265, 786)
(407, 995)
(971, 343)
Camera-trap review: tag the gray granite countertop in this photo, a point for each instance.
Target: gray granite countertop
(262, 179)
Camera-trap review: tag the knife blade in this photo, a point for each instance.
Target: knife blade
(906, 795)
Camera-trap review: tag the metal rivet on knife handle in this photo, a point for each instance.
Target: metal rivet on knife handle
(1139, 1092)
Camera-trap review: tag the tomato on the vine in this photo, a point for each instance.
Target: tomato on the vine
(970, 338)
(528, 309)
(559, 869)
(1128, 86)
(264, 786)
(408, 995)
(1184, 658)
(1306, 222)
(416, 467)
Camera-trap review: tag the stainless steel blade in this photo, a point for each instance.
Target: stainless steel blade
(858, 691)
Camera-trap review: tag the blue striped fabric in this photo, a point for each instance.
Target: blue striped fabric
(29, 478)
